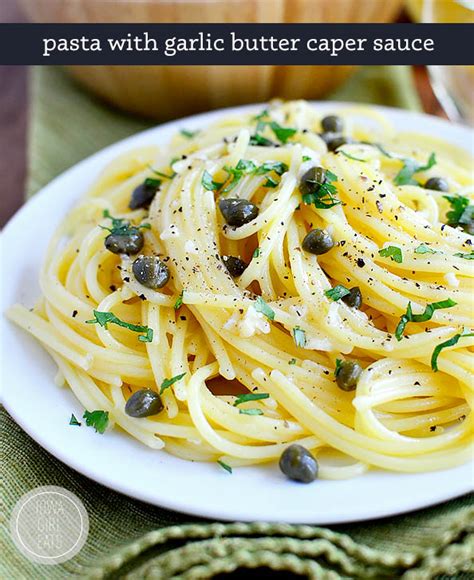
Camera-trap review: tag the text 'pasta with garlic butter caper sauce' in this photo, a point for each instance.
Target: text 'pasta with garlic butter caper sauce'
(281, 286)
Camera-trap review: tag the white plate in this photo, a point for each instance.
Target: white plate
(121, 463)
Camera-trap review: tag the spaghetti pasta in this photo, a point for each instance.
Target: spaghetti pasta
(263, 308)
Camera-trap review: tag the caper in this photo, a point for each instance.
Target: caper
(354, 298)
(437, 184)
(347, 375)
(150, 271)
(238, 212)
(317, 242)
(129, 243)
(234, 265)
(144, 403)
(312, 180)
(143, 195)
(332, 123)
(297, 463)
(334, 140)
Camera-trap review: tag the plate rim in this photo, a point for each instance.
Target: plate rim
(104, 156)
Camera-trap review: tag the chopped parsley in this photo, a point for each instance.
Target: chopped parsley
(74, 421)
(282, 133)
(261, 306)
(322, 194)
(392, 252)
(250, 397)
(306, 158)
(451, 342)
(426, 315)
(228, 468)
(299, 336)
(188, 134)
(292, 361)
(270, 182)
(337, 292)
(260, 141)
(424, 249)
(349, 156)
(208, 183)
(410, 167)
(179, 301)
(277, 166)
(152, 182)
(250, 411)
(165, 175)
(338, 366)
(121, 227)
(465, 256)
(97, 419)
(256, 252)
(168, 382)
(104, 318)
(461, 211)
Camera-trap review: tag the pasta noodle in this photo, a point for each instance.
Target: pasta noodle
(278, 331)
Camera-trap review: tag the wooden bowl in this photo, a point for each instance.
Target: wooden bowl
(164, 92)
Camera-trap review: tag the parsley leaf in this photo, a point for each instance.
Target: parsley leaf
(97, 419)
(451, 342)
(349, 156)
(337, 292)
(338, 366)
(465, 256)
(323, 194)
(120, 226)
(392, 252)
(299, 336)
(277, 166)
(260, 141)
(165, 175)
(250, 411)
(306, 158)
(228, 468)
(250, 397)
(179, 301)
(270, 182)
(426, 315)
(236, 173)
(282, 133)
(151, 182)
(74, 421)
(208, 183)
(410, 167)
(424, 249)
(188, 134)
(256, 252)
(261, 306)
(246, 166)
(292, 361)
(461, 212)
(168, 382)
(104, 318)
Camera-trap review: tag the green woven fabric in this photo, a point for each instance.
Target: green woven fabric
(130, 539)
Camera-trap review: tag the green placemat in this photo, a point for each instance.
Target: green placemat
(129, 538)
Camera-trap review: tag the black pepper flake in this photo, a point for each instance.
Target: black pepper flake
(416, 383)
(113, 287)
(126, 279)
(360, 262)
(182, 317)
(142, 297)
(379, 206)
(74, 313)
(433, 428)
